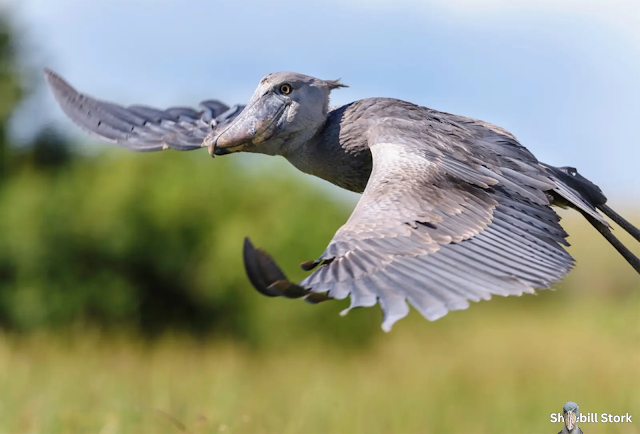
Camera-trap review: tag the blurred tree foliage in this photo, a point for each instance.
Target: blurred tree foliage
(150, 241)
(10, 91)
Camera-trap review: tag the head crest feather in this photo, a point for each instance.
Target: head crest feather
(335, 84)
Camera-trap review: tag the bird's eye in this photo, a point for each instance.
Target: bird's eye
(285, 88)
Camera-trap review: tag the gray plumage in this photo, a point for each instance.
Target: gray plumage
(453, 209)
(138, 127)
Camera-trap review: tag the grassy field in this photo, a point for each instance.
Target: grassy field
(500, 367)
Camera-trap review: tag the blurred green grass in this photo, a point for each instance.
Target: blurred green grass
(500, 367)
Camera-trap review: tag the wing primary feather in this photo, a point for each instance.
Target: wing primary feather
(138, 127)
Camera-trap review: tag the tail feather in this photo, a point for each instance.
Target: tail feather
(578, 192)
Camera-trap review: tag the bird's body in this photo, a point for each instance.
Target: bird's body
(340, 152)
(453, 209)
(575, 430)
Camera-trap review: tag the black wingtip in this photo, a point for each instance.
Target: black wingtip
(268, 279)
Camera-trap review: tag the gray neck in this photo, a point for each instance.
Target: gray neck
(337, 152)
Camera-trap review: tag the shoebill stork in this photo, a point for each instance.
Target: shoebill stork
(571, 414)
(453, 209)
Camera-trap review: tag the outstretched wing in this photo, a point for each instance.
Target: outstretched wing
(138, 127)
(451, 213)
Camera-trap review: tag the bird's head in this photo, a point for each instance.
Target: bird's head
(285, 107)
(570, 412)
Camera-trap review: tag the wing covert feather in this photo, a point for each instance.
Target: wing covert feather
(437, 228)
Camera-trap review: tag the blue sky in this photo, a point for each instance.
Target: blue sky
(563, 76)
